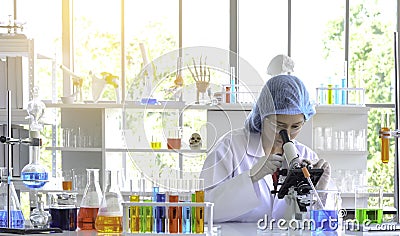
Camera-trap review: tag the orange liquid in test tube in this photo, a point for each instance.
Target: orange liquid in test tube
(385, 145)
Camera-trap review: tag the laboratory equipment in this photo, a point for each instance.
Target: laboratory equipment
(186, 196)
(17, 218)
(175, 212)
(147, 90)
(199, 211)
(109, 217)
(63, 210)
(135, 210)
(160, 214)
(77, 82)
(324, 210)
(35, 175)
(39, 217)
(384, 135)
(369, 204)
(293, 184)
(91, 201)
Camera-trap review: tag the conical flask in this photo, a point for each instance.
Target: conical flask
(17, 218)
(109, 218)
(90, 201)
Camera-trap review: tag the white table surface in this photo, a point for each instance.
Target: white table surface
(239, 229)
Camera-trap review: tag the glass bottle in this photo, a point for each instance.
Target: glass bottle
(39, 217)
(109, 218)
(17, 218)
(91, 200)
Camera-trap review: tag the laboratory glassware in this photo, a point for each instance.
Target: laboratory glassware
(39, 217)
(384, 134)
(369, 204)
(34, 175)
(135, 210)
(91, 201)
(185, 196)
(324, 210)
(64, 211)
(17, 218)
(109, 217)
(199, 215)
(174, 212)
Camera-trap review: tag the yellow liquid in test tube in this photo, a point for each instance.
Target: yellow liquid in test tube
(330, 94)
(199, 216)
(134, 214)
(385, 145)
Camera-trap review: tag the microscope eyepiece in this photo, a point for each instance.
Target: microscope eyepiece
(284, 134)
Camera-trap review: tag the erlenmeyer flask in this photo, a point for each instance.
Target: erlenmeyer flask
(90, 201)
(109, 218)
(17, 218)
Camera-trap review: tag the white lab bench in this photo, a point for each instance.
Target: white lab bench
(240, 229)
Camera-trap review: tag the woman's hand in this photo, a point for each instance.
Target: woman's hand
(326, 176)
(267, 165)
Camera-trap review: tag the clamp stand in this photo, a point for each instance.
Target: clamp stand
(10, 141)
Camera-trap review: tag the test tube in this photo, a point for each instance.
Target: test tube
(156, 190)
(174, 212)
(134, 211)
(233, 84)
(384, 134)
(330, 95)
(344, 91)
(160, 215)
(199, 216)
(185, 196)
(146, 212)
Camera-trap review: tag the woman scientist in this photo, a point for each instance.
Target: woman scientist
(238, 170)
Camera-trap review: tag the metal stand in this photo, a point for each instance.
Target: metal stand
(10, 141)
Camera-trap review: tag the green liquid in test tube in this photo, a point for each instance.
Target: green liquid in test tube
(330, 95)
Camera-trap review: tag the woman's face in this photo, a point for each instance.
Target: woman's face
(275, 123)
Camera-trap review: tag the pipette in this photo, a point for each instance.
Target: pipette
(307, 176)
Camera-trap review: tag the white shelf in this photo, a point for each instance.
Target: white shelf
(341, 109)
(345, 153)
(137, 105)
(155, 150)
(75, 149)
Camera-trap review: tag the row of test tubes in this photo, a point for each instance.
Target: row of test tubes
(169, 206)
(329, 139)
(78, 137)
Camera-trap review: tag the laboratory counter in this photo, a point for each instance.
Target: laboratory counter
(237, 229)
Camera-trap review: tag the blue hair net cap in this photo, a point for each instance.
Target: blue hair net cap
(281, 95)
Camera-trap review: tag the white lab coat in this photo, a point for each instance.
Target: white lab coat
(229, 186)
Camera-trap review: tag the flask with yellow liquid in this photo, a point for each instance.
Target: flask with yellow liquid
(109, 218)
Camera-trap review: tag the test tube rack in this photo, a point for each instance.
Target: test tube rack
(344, 96)
(207, 206)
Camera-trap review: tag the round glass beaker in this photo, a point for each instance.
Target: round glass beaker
(91, 200)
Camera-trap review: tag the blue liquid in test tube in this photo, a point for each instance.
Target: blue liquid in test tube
(344, 92)
(337, 98)
(186, 218)
(160, 215)
(156, 190)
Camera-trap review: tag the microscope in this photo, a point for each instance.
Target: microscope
(294, 182)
